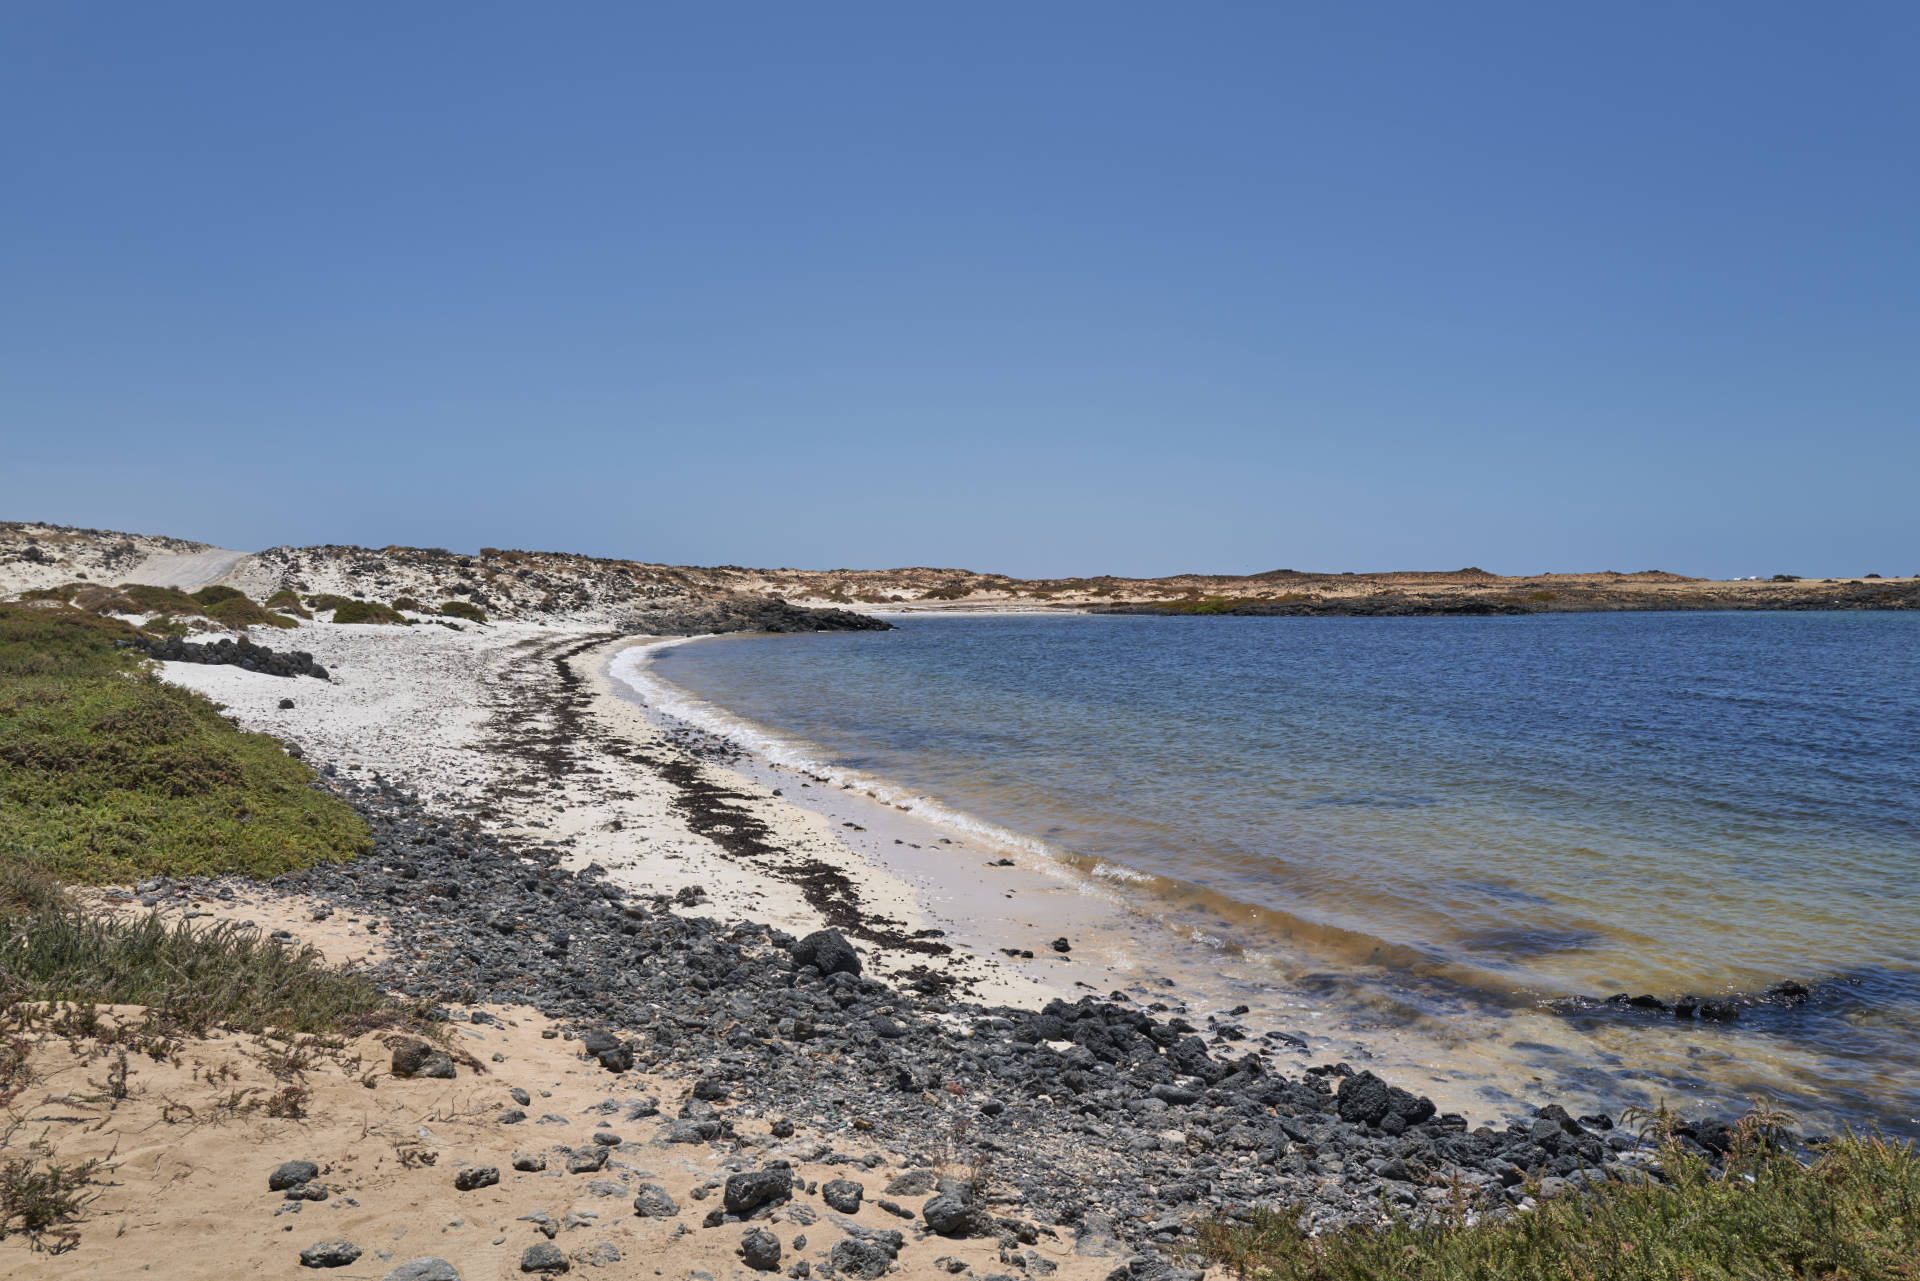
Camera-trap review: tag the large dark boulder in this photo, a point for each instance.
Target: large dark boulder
(827, 951)
(1366, 1099)
(751, 1189)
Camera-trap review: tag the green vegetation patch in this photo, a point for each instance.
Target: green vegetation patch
(367, 611)
(346, 609)
(463, 609)
(108, 773)
(237, 612)
(287, 602)
(160, 600)
(194, 978)
(1854, 1212)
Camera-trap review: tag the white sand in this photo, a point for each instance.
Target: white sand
(422, 707)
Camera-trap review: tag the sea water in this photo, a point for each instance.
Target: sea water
(1502, 814)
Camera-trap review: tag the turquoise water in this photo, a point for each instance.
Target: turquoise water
(1525, 809)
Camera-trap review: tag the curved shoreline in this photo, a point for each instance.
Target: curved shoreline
(1464, 1041)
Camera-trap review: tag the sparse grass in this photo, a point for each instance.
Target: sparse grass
(107, 773)
(463, 609)
(1853, 1214)
(191, 978)
(39, 1200)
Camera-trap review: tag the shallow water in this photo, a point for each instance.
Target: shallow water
(1497, 811)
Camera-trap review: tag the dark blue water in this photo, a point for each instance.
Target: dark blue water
(1533, 808)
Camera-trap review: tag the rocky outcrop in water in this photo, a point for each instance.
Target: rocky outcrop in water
(750, 616)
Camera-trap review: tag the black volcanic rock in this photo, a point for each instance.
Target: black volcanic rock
(750, 616)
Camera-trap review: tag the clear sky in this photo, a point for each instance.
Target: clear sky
(1041, 288)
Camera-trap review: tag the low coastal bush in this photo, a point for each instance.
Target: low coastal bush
(215, 595)
(463, 609)
(64, 593)
(160, 600)
(287, 602)
(108, 773)
(347, 609)
(367, 611)
(409, 604)
(1853, 1212)
(237, 611)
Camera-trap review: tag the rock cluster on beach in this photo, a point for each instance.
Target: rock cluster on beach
(1103, 1120)
(242, 653)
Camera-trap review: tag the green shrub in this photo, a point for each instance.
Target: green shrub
(327, 600)
(64, 593)
(287, 602)
(160, 600)
(237, 611)
(463, 609)
(366, 611)
(1854, 1212)
(215, 595)
(109, 774)
(409, 604)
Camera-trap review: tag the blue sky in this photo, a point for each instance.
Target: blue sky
(1060, 288)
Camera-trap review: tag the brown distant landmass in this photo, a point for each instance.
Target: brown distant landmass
(510, 583)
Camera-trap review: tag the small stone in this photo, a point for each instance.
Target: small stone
(751, 1189)
(852, 1257)
(413, 1057)
(586, 1160)
(949, 1215)
(597, 1255)
(476, 1176)
(529, 1162)
(291, 1174)
(520, 1096)
(544, 1257)
(916, 1182)
(425, 1269)
(653, 1202)
(843, 1195)
(329, 1254)
(760, 1250)
(1061, 945)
